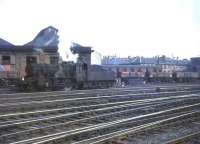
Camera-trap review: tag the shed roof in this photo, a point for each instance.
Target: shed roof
(5, 44)
(46, 40)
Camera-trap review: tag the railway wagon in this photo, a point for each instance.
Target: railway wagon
(187, 76)
(182, 76)
(169, 77)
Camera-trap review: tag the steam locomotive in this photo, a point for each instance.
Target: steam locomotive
(79, 75)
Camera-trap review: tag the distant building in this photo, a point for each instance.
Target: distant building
(137, 66)
(43, 49)
(195, 64)
(114, 60)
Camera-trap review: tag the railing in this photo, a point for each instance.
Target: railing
(9, 72)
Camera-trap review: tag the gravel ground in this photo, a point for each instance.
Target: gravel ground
(161, 135)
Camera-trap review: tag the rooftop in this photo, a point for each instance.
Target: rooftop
(46, 40)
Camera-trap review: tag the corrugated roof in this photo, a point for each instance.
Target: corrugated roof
(4, 43)
(45, 38)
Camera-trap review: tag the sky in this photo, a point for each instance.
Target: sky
(112, 27)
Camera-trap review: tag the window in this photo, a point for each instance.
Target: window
(139, 70)
(31, 60)
(6, 60)
(84, 67)
(125, 70)
(53, 60)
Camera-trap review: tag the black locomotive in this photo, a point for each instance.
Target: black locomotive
(79, 75)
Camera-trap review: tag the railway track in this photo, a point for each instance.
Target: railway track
(92, 118)
(122, 125)
(183, 131)
(98, 91)
(82, 101)
(184, 138)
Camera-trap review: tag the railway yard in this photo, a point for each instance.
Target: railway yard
(151, 114)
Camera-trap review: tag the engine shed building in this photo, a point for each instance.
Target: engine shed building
(14, 60)
(43, 49)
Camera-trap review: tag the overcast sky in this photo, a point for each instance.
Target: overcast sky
(121, 27)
